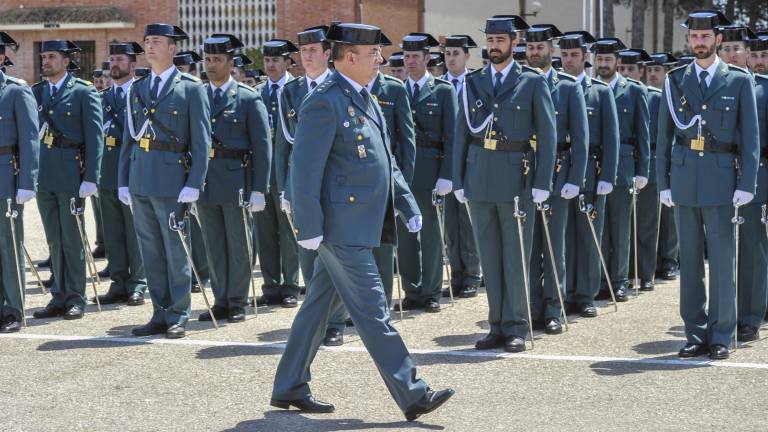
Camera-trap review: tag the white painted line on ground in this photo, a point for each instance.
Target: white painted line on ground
(352, 349)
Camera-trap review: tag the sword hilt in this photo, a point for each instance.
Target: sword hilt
(74, 208)
(634, 190)
(11, 212)
(437, 200)
(587, 208)
(520, 214)
(764, 217)
(174, 224)
(736, 219)
(241, 198)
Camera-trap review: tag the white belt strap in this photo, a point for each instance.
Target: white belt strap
(129, 113)
(43, 130)
(288, 136)
(671, 106)
(485, 122)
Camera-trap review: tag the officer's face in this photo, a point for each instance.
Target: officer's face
(54, 63)
(237, 74)
(456, 60)
(313, 58)
(436, 71)
(634, 71)
(539, 54)
(416, 63)
(120, 66)
(398, 72)
(735, 53)
(105, 79)
(606, 65)
(250, 82)
(573, 61)
(360, 63)
(499, 47)
(704, 42)
(98, 82)
(656, 75)
(275, 67)
(218, 67)
(758, 61)
(159, 49)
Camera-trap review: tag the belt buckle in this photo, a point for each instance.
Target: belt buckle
(48, 140)
(110, 142)
(533, 143)
(697, 144)
(144, 144)
(211, 153)
(490, 144)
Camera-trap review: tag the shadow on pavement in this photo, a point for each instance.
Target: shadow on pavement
(295, 421)
(659, 347)
(86, 344)
(467, 340)
(219, 352)
(619, 368)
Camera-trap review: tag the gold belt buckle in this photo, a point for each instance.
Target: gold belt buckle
(490, 144)
(211, 153)
(532, 142)
(144, 144)
(697, 144)
(110, 142)
(48, 140)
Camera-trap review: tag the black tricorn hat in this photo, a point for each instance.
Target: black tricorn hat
(504, 24)
(312, 35)
(518, 52)
(62, 46)
(242, 60)
(735, 33)
(278, 48)
(484, 54)
(127, 48)
(557, 62)
(8, 63)
(542, 33)
(418, 42)
(685, 59)
(167, 30)
(608, 46)
(73, 66)
(634, 56)
(7, 40)
(186, 58)
(705, 20)
(356, 34)
(221, 43)
(460, 41)
(575, 39)
(396, 60)
(141, 72)
(254, 73)
(760, 42)
(662, 59)
(436, 59)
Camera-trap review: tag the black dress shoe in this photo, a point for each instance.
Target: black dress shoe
(553, 326)
(308, 405)
(588, 311)
(693, 350)
(268, 301)
(111, 298)
(149, 329)
(408, 304)
(428, 403)
(514, 344)
(670, 273)
(303, 290)
(748, 333)
(11, 325)
(104, 273)
(48, 282)
(431, 306)
(290, 301)
(196, 287)
(490, 341)
(718, 352)
(136, 299)
(50, 311)
(621, 295)
(218, 311)
(447, 294)
(236, 314)
(44, 264)
(333, 337)
(646, 285)
(99, 252)
(176, 331)
(73, 313)
(468, 291)
(349, 323)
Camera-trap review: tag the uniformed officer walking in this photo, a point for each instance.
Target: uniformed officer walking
(584, 271)
(278, 252)
(126, 267)
(634, 154)
(240, 159)
(570, 167)
(70, 161)
(163, 163)
(19, 153)
(433, 105)
(341, 133)
(497, 171)
(707, 161)
(466, 274)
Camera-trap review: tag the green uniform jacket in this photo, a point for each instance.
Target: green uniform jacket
(18, 128)
(603, 133)
(291, 97)
(183, 108)
(761, 97)
(263, 90)
(634, 152)
(572, 127)
(393, 101)
(114, 120)
(239, 122)
(708, 178)
(654, 99)
(523, 108)
(75, 115)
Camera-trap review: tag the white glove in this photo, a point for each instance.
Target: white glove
(640, 181)
(539, 196)
(742, 198)
(604, 188)
(87, 189)
(459, 194)
(124, 196)
(414, 224)
(443, 186)
(311, 244)
(23, 195)
(285, 205)
(569, 191)
(666, 197)
(188, 195)
(256, 203)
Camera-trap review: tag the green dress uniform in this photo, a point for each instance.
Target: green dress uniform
(171, 155)
(493, 171)
(19, 153)
(278, 252)
(570, 168)
(434, 107)
(702, 173)
(70, 153)
(343, 178)
(240, 158)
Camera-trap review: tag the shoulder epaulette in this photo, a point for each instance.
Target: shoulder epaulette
(327, 84)
(530, 69)
(677, 69)
(441, 81)
(15, 80)
(39, 83)
(476, 72)
(292, 83)
(737, 68)
(393, 79)
(634, 81)
(246, 87)
(189, 77)
(84, 82)
(566, 77)
(654, 89)
(761, 77)
(598, 82)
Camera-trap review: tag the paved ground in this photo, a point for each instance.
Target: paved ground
(618, 371)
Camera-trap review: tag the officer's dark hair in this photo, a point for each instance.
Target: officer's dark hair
(340, 50)
(326, 45)
(465, 49)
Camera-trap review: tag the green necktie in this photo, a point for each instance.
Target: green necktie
(497, 84)
(703, 82)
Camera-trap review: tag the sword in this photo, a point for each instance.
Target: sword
(589, 211)
(399, 284)
(34, 269)
(737, 221)
(12, 213)
(634, 190)
(90, 263)
(543, 208)
(179, 226)
(520, 217)
(244, 207)
(438, 202)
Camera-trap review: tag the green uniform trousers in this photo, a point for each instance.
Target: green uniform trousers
(421, 254)
(10, 296)
(126, 267)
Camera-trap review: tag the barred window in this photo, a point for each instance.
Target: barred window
(252, 21)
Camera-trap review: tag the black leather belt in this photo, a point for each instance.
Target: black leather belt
(8, 150)
(147, 144)
(564, 146)
(503, 145)
(427, 143)
(707, 145)
(228, 153)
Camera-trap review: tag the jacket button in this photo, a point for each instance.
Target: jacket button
(701, 154)
(495, 105)
(704, 106)
(213, 120)
(703, 122)
(351, 198)
(359, 137)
